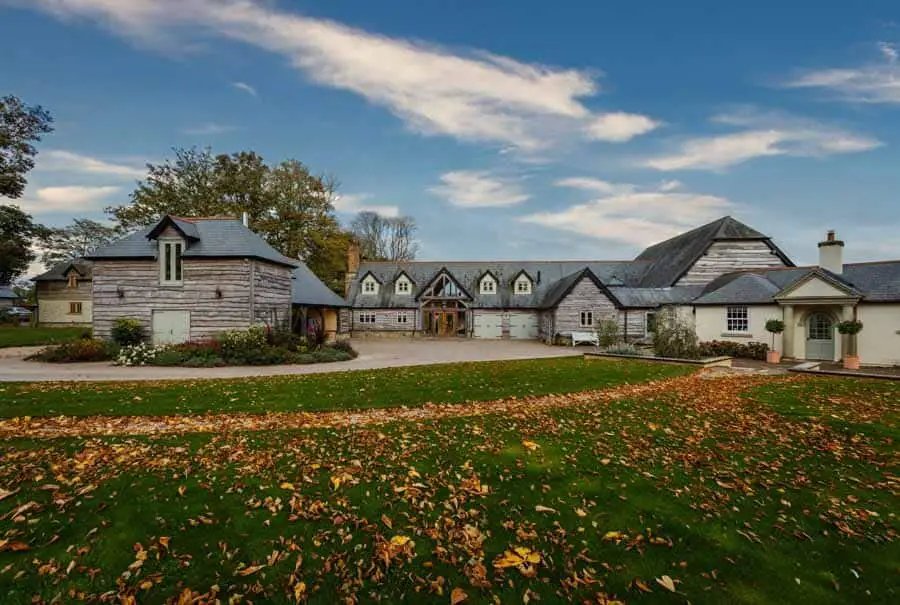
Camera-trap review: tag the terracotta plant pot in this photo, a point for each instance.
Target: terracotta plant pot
(851, 362)
(773, 357)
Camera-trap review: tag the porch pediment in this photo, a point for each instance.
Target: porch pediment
(817, 286)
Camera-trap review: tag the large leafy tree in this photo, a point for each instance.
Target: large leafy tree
(17, 231)
(21, 126)
(287, 205)
(76, 240)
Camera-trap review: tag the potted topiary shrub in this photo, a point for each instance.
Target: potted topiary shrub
(851, 328)
(773, 327)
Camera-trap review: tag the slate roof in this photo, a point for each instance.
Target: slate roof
(671, 259)
(58, 271)
(874, 282)
(213, 237)
(546, 276)
(309, 291)
(6, 291)
(649, 298)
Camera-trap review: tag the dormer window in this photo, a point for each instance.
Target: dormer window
(402, 285)
(488, 285)
(170, 262)
(370, 285)
(73, 280)
(523, 285)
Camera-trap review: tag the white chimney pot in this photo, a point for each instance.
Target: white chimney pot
(831, 254)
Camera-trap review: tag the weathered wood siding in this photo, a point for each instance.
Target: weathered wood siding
(53, 303)
(585, 296)
(725, 257)
(386, 320)
(633, 323)
(237, 308)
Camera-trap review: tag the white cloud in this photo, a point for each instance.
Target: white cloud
(352, 203)
(594, 185)
(478, 189)
(245, 87)
(56, 160)
(670, 185)
(207, 129)
(635, 218)
(876, 82)
(71, 199)
(472, 96)
(764, 135)
(619, 127)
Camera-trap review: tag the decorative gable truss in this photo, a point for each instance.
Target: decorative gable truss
(443, 286)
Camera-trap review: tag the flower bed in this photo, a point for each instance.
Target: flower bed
(750, 350)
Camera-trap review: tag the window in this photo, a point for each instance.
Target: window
(402, 317)
(73, 280)
(587, 319)
(737, 319)
(370, 286)
(402, 286)
(488, 285)
(523, 285)
(170, 262)
(367, 318)
(74, 308)
(651, 323)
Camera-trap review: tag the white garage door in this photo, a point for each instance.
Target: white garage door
(171, 327)
(488, 325)
(523, 325)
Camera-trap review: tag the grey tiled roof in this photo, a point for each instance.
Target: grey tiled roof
(309, 291)
(655, 297)
(6, 291)
(546, 275)
(58, 271)
(208, 238)
(669, 260)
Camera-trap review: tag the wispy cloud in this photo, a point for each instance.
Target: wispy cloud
(762, 134)
(207, 129)
(594, 185)
(619, 127)
(56, 160)
(471, 96)
(71, 199)
(478, 189)
(874, 82)
(245, 87)
(353, 203)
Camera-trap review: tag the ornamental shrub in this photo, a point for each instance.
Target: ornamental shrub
(81, 350)
(236, 343)
(139, 354)
(674, 337)
(128, 332)
(726, 348)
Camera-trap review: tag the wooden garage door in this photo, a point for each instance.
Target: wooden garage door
(488, 325)
(523, 325)
(171, 327)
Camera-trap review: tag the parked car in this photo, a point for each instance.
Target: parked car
(20, 312)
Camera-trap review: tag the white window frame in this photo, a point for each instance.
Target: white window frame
(737, 319)
(488, 285)
(403, 287)
(173, 263)
(369, 285)
(522, 286)
(589, 316)
(367, 318)
(403, 318)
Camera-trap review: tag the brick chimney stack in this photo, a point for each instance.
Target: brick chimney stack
(353, 260)
(831, 254)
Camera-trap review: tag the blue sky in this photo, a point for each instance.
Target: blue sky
(509, 130)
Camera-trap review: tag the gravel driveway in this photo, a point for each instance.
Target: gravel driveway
(373, 354)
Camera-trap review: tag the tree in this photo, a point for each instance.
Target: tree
(385, 238)
(79, 239)
(20, 126)
(17, 230)
(291, 208)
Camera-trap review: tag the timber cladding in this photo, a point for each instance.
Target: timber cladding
(724, 257)
(585, 296)
(220, 294)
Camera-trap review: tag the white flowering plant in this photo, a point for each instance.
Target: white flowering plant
(139, 354)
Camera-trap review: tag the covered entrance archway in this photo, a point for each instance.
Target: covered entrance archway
(820, 337)
(445, 318)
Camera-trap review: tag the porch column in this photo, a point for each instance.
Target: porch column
(847, 314)
(787, 339)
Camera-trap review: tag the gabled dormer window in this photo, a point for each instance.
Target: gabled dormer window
(170, 262)
(370, 285)
(73, 280)
(523, 285)
(488, 285)
(402, 286)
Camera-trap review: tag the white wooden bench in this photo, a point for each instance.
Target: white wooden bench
(585, 338)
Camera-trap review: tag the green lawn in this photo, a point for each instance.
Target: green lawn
(28, 336)
(785, 494)
(410, 386)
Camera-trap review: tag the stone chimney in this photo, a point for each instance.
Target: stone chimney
(831, 254)
(353, 260)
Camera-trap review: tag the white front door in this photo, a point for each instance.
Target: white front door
(488, 325)
(523, 325)
(171, 327)
(820, 337)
